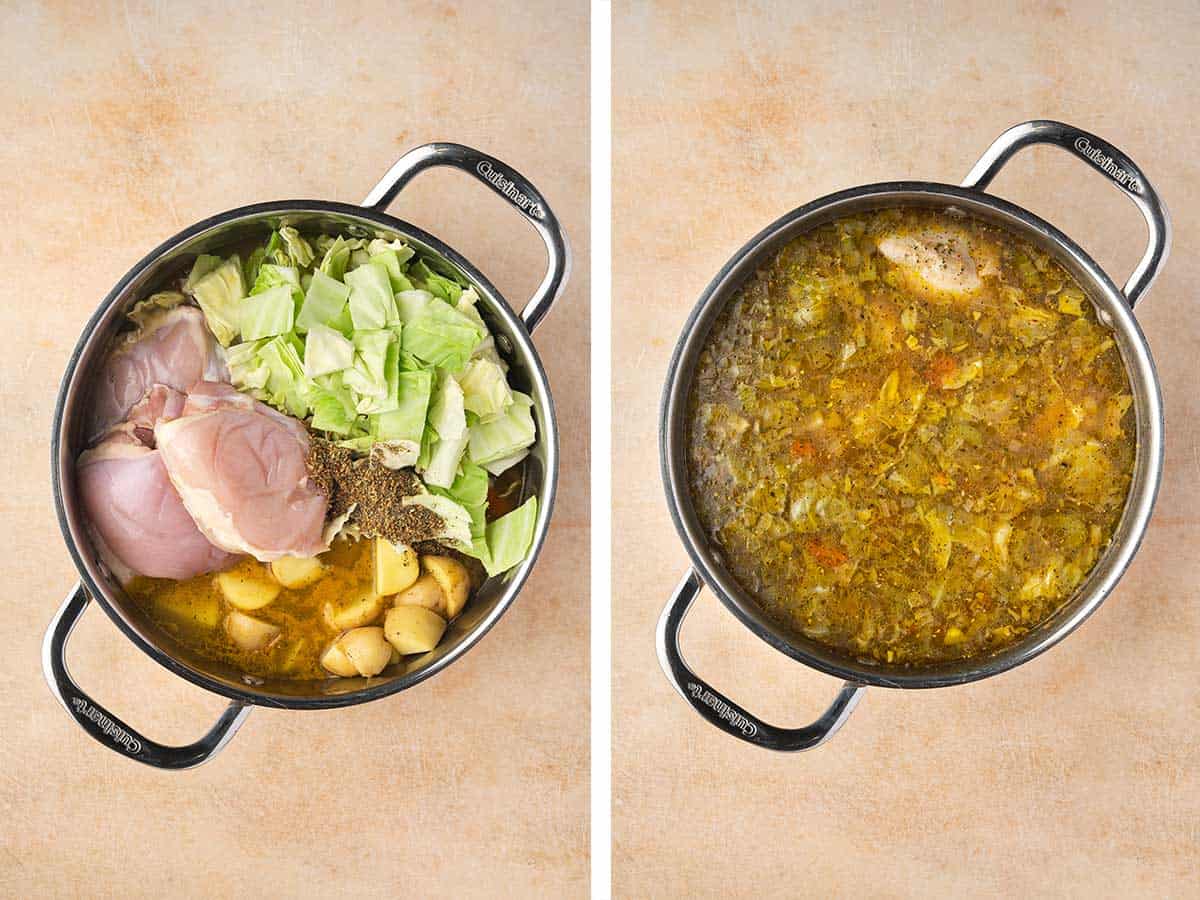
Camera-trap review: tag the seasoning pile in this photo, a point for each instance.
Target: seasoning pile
(372, 495)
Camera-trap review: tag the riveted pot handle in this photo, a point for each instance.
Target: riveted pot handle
(722, 712)
(1106, 159)
(509, 184)
(106, 727)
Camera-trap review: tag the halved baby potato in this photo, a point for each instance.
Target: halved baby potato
(297, 572)
(248, 632)
(424, 592)
(396, 568)
(413, 629)
(360, 651)
(452, 578)
(247, 587)
(362, 609)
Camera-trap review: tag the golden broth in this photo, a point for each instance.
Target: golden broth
(194, 611)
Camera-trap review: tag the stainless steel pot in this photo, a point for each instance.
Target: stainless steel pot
(1115, 309)
(169, 260)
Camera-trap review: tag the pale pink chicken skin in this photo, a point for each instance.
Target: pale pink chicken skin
(161, 404)
(137, 515)
(173, 348)
(240, 468)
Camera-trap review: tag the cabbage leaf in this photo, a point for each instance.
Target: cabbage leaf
(219, 293)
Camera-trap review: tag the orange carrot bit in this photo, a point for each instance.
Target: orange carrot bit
(803, 449)
(826, 555)
(940, 369)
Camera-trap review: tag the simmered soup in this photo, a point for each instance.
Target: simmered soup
(910, 438)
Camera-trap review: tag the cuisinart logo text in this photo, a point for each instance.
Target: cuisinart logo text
(506, 186)
(723, 709)
(1105, 163)
(111, 729)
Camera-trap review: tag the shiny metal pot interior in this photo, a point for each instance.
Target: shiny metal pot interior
(1114, 308)
(165, 263)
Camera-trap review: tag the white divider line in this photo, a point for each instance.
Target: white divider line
(601, 451)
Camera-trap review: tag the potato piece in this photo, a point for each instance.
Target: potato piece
(247, 587)
(360, 651)
(413, 629)
(362, 610)
(367, 649)
(425, 592)
(197, 612)
(337, 662)
(296, 572)
(248, 632)
(395, 569)
(452, 577)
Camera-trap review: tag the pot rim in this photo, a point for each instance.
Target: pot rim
(497, 305)
(1117, 313)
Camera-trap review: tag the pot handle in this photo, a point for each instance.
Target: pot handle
(1106, 159)
(106, 727)
(722, 712)
(509, 184)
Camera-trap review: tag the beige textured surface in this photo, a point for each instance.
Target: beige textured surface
(124, 124)
(1073, 776)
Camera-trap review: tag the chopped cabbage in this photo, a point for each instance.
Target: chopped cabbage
(337, 257)
(219, 293)
(407, 421)
(506, 436)
(372, 303)
(268, 313)
(296, 247)
(202, 266)
(271, 276)
(508, 538)
(326, 351)
(486, 390)
(410, 304)
(384, 351)
(392, 257)
(456, 520)
(367, 377)
(332, 404)
(324, 302)
(441, 336)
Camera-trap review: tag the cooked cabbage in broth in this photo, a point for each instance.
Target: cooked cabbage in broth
(910, 438)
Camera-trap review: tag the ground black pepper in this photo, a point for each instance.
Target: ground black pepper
(376, 492)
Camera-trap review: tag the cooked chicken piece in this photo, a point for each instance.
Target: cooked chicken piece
(240, 468)
(172, 347)
(946, 261)
(136, 515)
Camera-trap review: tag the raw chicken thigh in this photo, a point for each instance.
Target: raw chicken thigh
(946, 261)
(209, 396)
(136, 515)
(160, 405)
(172, 347)
(240, 468)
